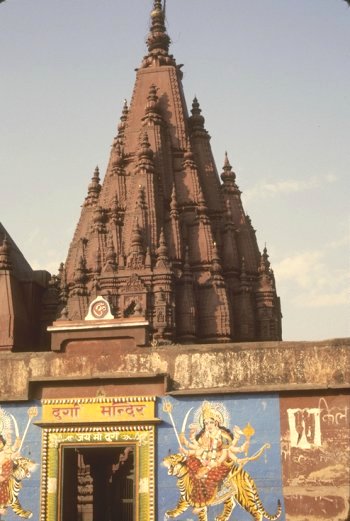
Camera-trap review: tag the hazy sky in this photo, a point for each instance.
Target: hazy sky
(273, 80)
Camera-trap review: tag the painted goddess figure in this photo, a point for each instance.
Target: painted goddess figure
(209, 465)
(210, 451)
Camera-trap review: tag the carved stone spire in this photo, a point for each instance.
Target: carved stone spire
(145, 154)
(159, 211)
(152, 107)
(122, 123)
(111, 257)
(264, 262)
(216, 269)
(162, 252)
(136, 256)
(196, 120)
(94, 189)
(5, 262)
(229, 177)
(158, 39)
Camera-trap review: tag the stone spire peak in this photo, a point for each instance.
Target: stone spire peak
(94, 189)
(145, 153)
(5, 262)
(160, 208)
(158, 39)
(227, 175)
(123, 118)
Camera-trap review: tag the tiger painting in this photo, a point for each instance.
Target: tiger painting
(22, 468)
(238, 487)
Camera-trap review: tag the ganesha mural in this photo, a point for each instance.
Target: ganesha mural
(14, 466)
(209, 465)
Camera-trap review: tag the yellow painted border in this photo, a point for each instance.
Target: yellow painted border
(140, 435)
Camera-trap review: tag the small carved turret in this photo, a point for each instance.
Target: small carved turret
(152, 107)
(111, 257)
(122, 124)
(268, 308)
(62, 277)
(98, 220)
(97, 261)
(80, 277)
(158, 39)
(229, 178)
(230, 250)
(216, 269)
(145, 154)
(174, 237)
(196, 121)
(162, 252)
(5, 261)
(94, 189)
(136, 256)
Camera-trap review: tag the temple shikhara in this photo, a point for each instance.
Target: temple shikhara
(164, 237)
(164, 313)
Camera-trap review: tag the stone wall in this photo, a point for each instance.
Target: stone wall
(250, 367)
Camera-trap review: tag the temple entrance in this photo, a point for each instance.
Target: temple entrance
(98, 483)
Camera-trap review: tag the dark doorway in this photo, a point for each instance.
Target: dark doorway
(98, 483)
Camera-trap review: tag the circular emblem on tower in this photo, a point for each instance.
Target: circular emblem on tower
(99, 309)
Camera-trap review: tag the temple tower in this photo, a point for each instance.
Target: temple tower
(163, 229)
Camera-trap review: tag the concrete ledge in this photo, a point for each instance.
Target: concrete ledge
(63, 332)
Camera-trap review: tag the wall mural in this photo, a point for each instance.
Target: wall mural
(214, 462)
(218, 458)
(15, 465)
(315, 434)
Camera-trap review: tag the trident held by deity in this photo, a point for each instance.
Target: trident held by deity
(167, 407)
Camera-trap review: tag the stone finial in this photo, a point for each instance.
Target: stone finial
(62, 277)
(97, 261)
(227, 175)
(136, 238)
(145, 154)
(158, 39)
(188, 155)
(110, 254)
(244, 278)
(152, 100)
(136, 258)
(196, 120)
(215, 261)
(162, 250)
(264, 262)
(5, 261)
(202, 208)
(123, 118)
(140, 200)
(148, 258)
(80, 277)
(173, 203)
(94, 189)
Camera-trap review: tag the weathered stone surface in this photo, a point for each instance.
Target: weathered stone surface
(250, 367)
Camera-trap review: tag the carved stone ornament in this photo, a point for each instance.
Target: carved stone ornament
(99, 309)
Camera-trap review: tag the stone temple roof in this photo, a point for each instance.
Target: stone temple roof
(163, 236)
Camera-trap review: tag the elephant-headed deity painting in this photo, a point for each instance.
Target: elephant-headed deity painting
(210, 464)
(14, 467)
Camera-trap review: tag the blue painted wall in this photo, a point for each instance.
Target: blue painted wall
(262, 412)
(263, 415)
(29, 496)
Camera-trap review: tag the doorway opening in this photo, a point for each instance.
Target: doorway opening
(98, 483)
